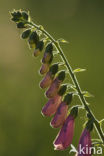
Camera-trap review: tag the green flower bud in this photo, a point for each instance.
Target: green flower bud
(25, 15)
(26, 34)
(15, 19)
(33, 39)
(17, 14)
(21, 25)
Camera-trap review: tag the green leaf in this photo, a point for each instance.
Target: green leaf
(101, 122)
(87, 94)
(79, 70)
(62, 40)
(41, 27)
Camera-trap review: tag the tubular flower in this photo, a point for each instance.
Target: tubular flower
(85, 144)
(46, 82)
(44, 68)
(46, 64)
(52, 105)
(48, 53)
(52, 91)
(62, 111)
(65, 136)
(39, 48)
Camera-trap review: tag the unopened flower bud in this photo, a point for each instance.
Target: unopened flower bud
(26, 34)
(21, 25)
(39, 48)
(48, 55)
(25, 15)
(33, 39)
(16, 16)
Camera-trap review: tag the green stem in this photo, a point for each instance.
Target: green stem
(74, 79)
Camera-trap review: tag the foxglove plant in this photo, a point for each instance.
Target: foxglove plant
(59, 95)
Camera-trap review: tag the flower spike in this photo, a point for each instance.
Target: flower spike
(36, 34)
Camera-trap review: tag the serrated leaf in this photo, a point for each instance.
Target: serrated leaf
(87, 94)
(79, 70)
(62, 40)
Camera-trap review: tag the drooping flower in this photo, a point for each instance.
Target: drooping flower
(62, 112)
(39, 48)
(48, 54)
(85, 144)
(47, 60)
(47, 80)
(65, 136)
(52, 105)
(52, 91)
(44, 68)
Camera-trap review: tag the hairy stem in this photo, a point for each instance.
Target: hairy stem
(74, 80)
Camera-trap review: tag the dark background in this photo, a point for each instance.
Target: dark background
(23, 130)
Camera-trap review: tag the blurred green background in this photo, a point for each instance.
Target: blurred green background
(23, 130)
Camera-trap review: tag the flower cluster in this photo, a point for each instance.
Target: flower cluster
(57, 93)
